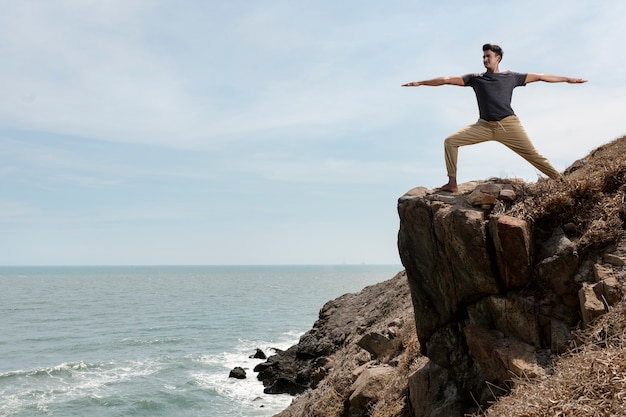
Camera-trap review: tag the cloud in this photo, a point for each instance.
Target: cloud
(205, 121)
(93, 73)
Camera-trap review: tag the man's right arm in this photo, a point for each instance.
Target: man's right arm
(437, 81)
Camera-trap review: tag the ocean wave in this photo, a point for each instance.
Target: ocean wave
(152, 341)
(247, 393)
(41, 388)
(64, 370)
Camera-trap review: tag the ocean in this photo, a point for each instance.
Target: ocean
(155, 340)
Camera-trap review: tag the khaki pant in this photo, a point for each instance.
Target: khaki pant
(508, 131)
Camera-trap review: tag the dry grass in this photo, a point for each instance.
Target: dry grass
(589, 381)
(395, 402)
(590, 198)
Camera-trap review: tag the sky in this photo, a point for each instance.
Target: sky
(148, 132)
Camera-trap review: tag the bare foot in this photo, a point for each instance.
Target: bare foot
(451, 188)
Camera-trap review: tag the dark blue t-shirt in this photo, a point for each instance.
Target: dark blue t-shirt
(494, 92)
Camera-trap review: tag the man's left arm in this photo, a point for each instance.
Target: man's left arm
(531, 78)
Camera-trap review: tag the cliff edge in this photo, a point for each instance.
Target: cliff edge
(501, 283)
(504, 283)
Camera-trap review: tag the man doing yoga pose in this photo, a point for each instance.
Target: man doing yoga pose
(494, 90)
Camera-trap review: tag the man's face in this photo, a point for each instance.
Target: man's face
(490, 60)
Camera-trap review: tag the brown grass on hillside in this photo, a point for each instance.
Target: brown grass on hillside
(589, 381)
(591, 197)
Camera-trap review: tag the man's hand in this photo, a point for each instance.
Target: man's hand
(414, 84)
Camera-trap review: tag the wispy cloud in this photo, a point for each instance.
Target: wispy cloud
(221, 121)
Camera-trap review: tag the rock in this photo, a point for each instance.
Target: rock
(237, 373)
(560, 336)
(447, 348)
(487, 194)
(513, 246)
(558, 244)
(516, 316)
(397, 322)
(487, 295)
(479, 198)
(602, 272)
(501, 357)
(432, 392)
(489, 188)
(376, 344)
(284, 386)
(609, 289)
(417, 192)
(259, 354)
(590, 306)
(557, 266)
(444, 248)
(370, 387)
(339, 326)
(570, 229)
(359, 370)
(614, 260)
(312, 346)
(279, 373)
(507, 193)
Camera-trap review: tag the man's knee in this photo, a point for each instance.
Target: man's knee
(450, 142)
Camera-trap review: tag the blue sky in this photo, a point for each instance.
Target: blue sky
(270, 132)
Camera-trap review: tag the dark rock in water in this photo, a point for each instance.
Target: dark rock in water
(259, 355)
(284, 386)
(238, 373)
(280, 373)
(327, 361)
(341, 324)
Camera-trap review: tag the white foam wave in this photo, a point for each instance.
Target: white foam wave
(43, 387)
(244, 394)
(248, 393)
(245, 348)
(48, 389)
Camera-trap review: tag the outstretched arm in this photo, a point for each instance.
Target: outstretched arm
(531, 78)
(437, 81)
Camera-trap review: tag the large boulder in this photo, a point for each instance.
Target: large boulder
(491, 301)
(432, 392)
(370, 387)
(443, 246)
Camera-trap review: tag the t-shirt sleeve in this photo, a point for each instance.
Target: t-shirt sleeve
(520, 79)
(467, 79)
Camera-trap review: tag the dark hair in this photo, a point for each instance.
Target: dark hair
(495, 48)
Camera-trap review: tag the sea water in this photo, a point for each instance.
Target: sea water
(155, 341)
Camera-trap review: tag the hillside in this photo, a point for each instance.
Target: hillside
(590, 378)
(509, 306)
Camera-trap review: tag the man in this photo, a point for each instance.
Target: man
(494, 90)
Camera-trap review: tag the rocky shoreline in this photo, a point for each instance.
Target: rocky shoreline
(498, 282)
(358, 343)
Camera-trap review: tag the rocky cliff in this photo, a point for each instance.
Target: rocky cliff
(499, 286)
(491, 300)
(502, 276)
(359, 351)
